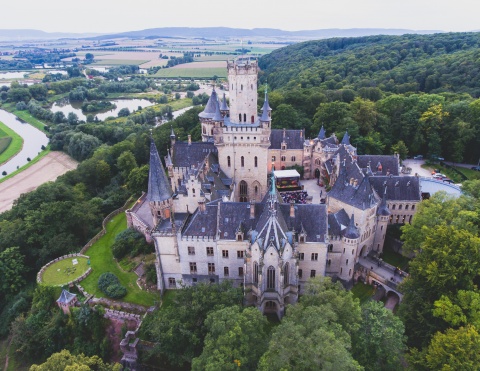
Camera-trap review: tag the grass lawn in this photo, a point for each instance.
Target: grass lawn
(102, 261)
(11, 146)
(27, 117)
(118, 62)
(191, 72)
(168, 298)
(63, 271)
(362, 291)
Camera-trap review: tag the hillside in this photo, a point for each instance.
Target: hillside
(435, 63)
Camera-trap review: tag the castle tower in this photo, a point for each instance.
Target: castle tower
(207, 115)
(241, 138)
(160, 193)
(242, 82)
(383, 215)
(350, 246)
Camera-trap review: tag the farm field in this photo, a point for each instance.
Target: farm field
(195, 69)
(10, 143)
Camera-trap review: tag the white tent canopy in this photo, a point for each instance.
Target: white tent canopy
(279, 174)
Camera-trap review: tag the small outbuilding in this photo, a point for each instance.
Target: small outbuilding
(66, 300)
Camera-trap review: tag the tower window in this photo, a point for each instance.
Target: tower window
(228, 161)
(209, 251)
(271, 278)
(242, 161)
(241, 86)
(253, 119)
(240, 117)
(244, 117)
(285, 275)
(255, 272)
(191, 250)
(255, 160)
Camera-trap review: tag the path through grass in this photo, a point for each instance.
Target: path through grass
(101, 259)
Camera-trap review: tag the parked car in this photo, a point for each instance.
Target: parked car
(418, 157)
(475, 168)
(437, 158)
(439, 176)
(447, 180)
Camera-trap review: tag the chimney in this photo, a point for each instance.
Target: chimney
(252, 209)
(351, 181)
(201, 206)
(355, 183)
(301, 134)
(284, 133)
(189, 139)
(292, 209)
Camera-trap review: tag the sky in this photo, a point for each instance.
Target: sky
(107, 16)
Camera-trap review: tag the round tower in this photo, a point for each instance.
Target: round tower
(350, 240)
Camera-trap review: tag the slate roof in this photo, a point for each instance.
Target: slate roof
(158, 183)
(209, 110)
(383, 208)
(223, 104)
(331, 141)
(66, 297)
(360, 196)
(165, 225)
(217, 116)
(142, 210)
(232, 213)
(399, 188)
(388, 163)
(321, 133)
(265, 110)
(293, 138)
(311, 217)
(352, 231)
(186, 155)
(203, 224)
(338, 222)
(215, 181)
(346, 139)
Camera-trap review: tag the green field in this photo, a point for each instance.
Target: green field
(27, 117)
(102, 261)
(63, 271)
(191, 72)
(10, 143)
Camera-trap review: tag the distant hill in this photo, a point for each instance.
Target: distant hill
(27, 34)
(444, 62)
(226, 32)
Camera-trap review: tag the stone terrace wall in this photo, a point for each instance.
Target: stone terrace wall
(82, 277)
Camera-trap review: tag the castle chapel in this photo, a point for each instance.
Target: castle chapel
(216, 213)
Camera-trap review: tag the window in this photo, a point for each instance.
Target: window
(191, 250)
(301, 256)
(329, 262)
(352, 251)
(283, 158)
(400, 207)
(293, 158)
(225, 253)
(256, 190)
(314, 256)
(240, 254)
(193, 268)
(240, 271)
(240, 117)
(413, 207)
(274, 158)
(244, 117)
(300, 273)
(194, 280)
(346, 262)
(228, 161)
(171, 282)
(271, 278)
(349, 273)
(285, 275)
(255, 160)
(255, 272)
(241, 87)
(209, 251)
(406, 207)
(330, 247)
(242, 161)
(225, 271)
(243, 191)
(393, 206)
(313, 272)
(211, 268)
(252, 119)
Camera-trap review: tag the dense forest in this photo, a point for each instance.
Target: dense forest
(389, 92)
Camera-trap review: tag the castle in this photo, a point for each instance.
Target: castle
(216, 214)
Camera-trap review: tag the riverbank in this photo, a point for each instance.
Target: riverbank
(14, 147)
(47, 168)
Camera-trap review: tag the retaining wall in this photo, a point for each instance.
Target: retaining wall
(82, 277)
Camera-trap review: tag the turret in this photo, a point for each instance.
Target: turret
(346, 139)
(351, 237)
(383, 216)
(266, 111)
(172, 136)
(242, 81)
(321, 134)
(224, 107)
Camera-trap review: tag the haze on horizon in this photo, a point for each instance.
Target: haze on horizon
(111, 16)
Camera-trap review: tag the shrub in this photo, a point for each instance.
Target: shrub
(21, 106)
(110, 286)
(130, 242)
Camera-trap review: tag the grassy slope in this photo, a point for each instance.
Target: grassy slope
(15, 145)
(56, 273)
(102, 261)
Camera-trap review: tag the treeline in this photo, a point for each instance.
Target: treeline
(207, 328)
(173, 61)
(44, 56)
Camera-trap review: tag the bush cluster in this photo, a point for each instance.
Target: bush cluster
(110, 286)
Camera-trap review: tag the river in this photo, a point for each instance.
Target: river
(33, 140)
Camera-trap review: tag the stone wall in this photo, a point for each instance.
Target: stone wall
(82, 277)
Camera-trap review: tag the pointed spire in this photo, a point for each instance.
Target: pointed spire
(266, 109)
(210, 107)
(383, 209)
(346, 138)
(351, 231)
(217, 116)
(168, 161)
(321, 133)
(224, 105)
(158, 184)
(172, 133)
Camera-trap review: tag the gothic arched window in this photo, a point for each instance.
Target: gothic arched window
(242, 161)
(253, 119)
(255, 272)
(271, 278)
(243, 191)
(255, 160)
(285, 275)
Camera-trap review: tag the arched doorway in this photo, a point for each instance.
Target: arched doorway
(243, 195)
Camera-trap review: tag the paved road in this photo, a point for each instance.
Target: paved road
(47, 169)
(416, 166)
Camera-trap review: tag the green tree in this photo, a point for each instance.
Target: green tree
(138, 180)
(64, 361)
(379, 342)
(126, 163)
(12, 271)
(364, 114)
(401, 149)
(236, 338)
